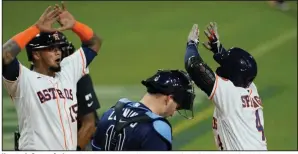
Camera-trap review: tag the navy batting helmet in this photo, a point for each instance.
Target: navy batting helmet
(173, 82)
(44, 41)
(238, 66)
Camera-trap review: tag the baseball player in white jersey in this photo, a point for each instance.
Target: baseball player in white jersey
(45, 96)
(238, 122)
(87, 103)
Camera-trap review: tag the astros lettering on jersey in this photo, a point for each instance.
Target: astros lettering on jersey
(47, 106)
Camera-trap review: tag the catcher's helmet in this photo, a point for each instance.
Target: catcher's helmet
(173, 82)
(238, 66)
(45, 40)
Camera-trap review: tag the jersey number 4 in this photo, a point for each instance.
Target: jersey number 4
(259, 126)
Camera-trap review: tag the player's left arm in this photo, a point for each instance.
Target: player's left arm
(91, 43)
(88, 104)
(87, 98)
(87, 130)
(198, 70)
(77, 63)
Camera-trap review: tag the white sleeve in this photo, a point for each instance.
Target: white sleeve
(75, 65)
(17, 88)
(254, 88)
(222, 94)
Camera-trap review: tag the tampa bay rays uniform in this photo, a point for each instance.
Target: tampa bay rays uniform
(47, 106)
(238, 121)
(139, 129)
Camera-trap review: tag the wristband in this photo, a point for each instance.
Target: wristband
(23, 38)
(83, 31)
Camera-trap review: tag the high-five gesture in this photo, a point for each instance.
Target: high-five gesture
(213, 44)
(193, 36)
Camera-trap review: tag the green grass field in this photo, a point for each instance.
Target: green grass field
(141, 37)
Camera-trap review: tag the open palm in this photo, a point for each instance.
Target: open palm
(66, 19)
(47, 19)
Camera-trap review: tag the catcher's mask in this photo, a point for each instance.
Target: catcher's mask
(176, 83)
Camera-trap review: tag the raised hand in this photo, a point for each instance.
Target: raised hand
(213, 44)
(66, 19)
(47, 19)
(193, 36)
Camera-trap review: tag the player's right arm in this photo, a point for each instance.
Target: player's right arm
(202, 75)
(10, 65)
(198, 70)
(14, 46)
(10, 51)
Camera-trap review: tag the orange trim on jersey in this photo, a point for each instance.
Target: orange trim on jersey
(83, 60)
(223, 78)
(250, 91)
(68, 122)
(61, 121)
(214, 88)
(57, 101)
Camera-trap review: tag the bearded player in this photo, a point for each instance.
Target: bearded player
(44, 97)
(87, 101)
(238, 122)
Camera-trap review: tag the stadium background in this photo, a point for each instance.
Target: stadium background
(141, 37)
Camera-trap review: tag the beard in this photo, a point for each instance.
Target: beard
(55, 68)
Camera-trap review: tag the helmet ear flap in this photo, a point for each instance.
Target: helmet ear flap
(248, 81)
(29, 55)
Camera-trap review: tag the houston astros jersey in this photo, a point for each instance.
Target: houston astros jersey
(47, 106)
(238, 122)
